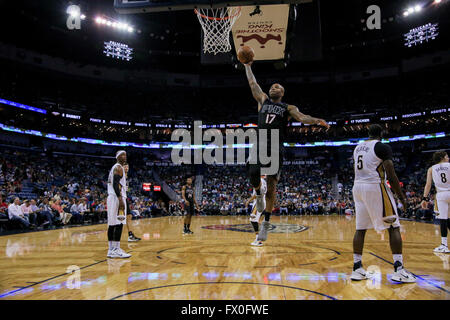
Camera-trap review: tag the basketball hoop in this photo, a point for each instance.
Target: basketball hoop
(216, 25)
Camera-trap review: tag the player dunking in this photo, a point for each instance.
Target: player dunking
(116, 203)
(374, 203)
(272, 115)
(439, 173)
(188, 194)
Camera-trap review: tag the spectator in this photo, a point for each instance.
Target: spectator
(41, 215)
(27, 212)
(3, 208)
(64, 216)
(75, 211)
(15, 214)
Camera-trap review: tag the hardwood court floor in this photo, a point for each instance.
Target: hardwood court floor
(218, 262)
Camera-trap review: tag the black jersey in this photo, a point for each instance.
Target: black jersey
(274, 116)
(189, 194)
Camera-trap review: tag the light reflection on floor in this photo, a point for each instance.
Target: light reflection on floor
(199, 267)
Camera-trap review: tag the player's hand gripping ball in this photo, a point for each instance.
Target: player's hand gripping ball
(246, 54)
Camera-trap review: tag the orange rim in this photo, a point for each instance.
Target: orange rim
(214, 18)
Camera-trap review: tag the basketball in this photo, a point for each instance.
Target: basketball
(246, 54)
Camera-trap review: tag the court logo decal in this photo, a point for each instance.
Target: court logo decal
(274, 227)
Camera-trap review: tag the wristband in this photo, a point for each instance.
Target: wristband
(426, 199)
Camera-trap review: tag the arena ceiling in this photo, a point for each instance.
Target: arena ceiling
(172, 40)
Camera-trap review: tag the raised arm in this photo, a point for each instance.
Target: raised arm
(297, 115)
(257, 92)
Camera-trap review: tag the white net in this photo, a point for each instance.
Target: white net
(216, 25)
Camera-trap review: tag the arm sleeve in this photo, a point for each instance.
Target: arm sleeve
(128, 205)
(116, 185)
(383, 151)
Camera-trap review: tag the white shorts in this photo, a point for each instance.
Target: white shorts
(112, 204)
(255, 215)
(373, 202)
(442, 204)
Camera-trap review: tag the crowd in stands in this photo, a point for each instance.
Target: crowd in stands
(60, 190)
(376, 98)
(41, 190)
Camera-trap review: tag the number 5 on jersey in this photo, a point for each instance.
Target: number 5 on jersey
(360, 162)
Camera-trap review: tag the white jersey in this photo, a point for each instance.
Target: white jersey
(368, 167)
(441, 176)
(122, 182)
(253, 203)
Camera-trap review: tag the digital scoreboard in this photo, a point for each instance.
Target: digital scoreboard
(118, 50)
(419, 35)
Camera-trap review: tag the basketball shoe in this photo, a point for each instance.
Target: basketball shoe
(132, 237)
(358, 272)
(262, 236)
(118, 253)
(402, 275)
(257, 243)
(442, 249)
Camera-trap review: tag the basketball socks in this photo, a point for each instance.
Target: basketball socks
(357, 261)
(398, 261)
(444, 241)
(357, 265)
(266, 216)
(130, 233)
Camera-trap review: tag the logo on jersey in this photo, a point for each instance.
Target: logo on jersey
(274, 109)
(274, 227)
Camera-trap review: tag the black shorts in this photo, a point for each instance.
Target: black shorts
(190, 210)
(257, 166)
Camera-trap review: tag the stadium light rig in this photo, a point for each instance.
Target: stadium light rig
(419, 7)
(411, 10)
(114, 24)
(75, 13)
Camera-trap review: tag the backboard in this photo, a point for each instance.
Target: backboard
(144, 6)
